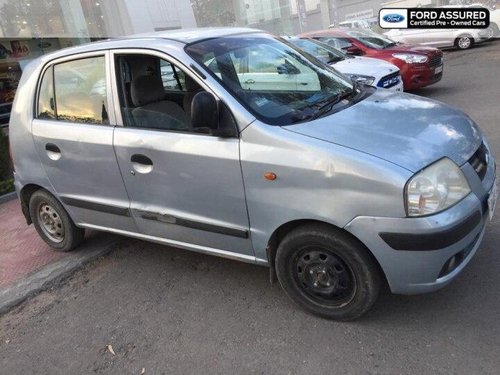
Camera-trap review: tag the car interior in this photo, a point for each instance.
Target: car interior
(154, 93)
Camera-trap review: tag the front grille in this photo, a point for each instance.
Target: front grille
(479, 161)
(436, 60)
(389, 80)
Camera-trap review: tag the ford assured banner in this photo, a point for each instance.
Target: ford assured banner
(434, 18)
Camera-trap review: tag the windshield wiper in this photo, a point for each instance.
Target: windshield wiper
(327, 107)
(390, 45)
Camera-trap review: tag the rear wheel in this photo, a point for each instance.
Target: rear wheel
(327, 272)
(492, 31)
(464, 42)
(53, 223)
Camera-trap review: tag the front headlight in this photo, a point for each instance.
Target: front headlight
(435, 188)
(367, 80)
(411, 58)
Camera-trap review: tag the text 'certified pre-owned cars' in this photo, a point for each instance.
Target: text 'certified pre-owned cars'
(256, 152)
(420, 66)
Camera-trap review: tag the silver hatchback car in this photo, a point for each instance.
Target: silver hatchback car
(234, 143)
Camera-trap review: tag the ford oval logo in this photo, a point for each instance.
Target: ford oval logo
(393, 18)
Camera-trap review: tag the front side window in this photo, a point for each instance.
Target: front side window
(80, 91)
(275, 81)
(320, 50)
(335, 42)
(154, 93)
(172, 78)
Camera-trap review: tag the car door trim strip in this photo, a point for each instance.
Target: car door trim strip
(170, 219)
(114, 210)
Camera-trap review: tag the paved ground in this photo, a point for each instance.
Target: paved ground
(167, 311)
(22, 251)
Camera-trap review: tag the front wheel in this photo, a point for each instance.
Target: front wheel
(327, 272)
(464, 42)
(53, 223)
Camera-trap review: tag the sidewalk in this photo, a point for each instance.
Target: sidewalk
(28, 265)
(22, 251)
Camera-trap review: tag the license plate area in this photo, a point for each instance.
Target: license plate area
(438, 70)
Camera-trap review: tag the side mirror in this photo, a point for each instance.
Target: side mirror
(204, 112)
(353, 50)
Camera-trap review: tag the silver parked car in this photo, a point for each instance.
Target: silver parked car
(258, 153)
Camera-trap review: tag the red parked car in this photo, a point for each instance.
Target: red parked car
(420, 66)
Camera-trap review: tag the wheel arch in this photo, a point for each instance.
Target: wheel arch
(280, 232)
(24, 196)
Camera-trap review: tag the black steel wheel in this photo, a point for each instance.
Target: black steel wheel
(328, 272)
(53, 223)
(324, 276)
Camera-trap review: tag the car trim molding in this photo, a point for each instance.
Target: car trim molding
(114, 210)
(170, 219)
(183, 245)
(432, 241)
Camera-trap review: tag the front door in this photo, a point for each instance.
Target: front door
(184, 187)
(73, 136)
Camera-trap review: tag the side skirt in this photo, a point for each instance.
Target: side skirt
(182, 245)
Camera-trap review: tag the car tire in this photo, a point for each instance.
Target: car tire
(53, 223)
(493, 30)
(464, 42)
(327, 272)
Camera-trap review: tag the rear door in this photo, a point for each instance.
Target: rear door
(73, 135)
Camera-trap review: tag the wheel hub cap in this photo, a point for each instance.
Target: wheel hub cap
(324, 276)
(51, 223)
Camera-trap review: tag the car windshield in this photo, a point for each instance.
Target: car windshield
(321, 51)
(275, 81)
(371, 40)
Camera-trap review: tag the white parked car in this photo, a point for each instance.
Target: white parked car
(365, 70)
(494, 29)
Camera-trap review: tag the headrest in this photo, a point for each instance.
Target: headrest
(146, 89)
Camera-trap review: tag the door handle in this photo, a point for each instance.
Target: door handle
(250, 81)
(141, 163)
(53, 152)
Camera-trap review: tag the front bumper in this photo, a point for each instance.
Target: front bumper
(420, 255)
(420, 76)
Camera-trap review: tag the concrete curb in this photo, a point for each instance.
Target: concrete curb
(8, 197)
(43, 279)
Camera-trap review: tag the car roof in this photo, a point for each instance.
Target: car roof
(182, 36)
(188, 36)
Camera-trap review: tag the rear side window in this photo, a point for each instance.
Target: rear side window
(46, 102)
(75, 91)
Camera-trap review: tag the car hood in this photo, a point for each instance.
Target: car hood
(365, 65)
(405, 129)
(410, 48)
